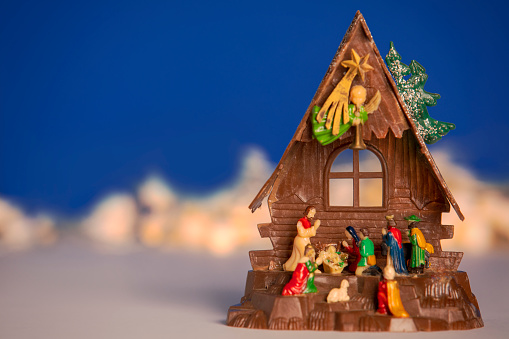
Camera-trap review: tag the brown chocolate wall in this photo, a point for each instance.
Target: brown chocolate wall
(411, 189)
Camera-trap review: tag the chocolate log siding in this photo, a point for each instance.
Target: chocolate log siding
(411, 189)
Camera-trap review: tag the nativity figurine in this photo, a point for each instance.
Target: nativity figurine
(389, 299)
(303, 277)
(353, 251)
(421, 250)
(367, 251)
(304, 232)
(339, 294)
(393, 242)
(333, 262)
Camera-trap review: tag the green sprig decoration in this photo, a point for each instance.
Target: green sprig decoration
(416, 98)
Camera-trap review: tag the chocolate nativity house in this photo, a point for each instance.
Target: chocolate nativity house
(402, 179)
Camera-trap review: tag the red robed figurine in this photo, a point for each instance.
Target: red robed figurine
(389, 299)
(303, 278)
(354, 252)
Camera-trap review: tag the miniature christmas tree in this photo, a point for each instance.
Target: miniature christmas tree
(416, 98)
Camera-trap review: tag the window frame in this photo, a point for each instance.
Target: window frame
(356, 175)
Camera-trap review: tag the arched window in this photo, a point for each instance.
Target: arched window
(356, 179)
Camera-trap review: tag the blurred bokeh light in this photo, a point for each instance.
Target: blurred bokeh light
(221, 223)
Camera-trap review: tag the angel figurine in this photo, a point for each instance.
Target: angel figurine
(357, 116)
(337, 115)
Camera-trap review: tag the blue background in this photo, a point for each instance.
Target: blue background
(95, 95)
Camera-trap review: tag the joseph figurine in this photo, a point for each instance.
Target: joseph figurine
(304, 232)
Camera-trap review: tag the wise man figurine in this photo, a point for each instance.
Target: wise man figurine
(388, 296)
(421, 250)
(392, 241)
(304, 232)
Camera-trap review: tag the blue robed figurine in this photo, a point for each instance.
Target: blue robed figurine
(392, 239)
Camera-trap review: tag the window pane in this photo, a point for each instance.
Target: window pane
(343, 162)
(368, 162)
(370, 192)
(341, 192)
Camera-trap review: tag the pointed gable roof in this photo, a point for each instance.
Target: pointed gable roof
(395, 117)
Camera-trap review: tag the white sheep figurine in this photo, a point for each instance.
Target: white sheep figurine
(339, 294)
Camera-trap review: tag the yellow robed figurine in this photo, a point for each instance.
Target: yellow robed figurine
(389, 299)
(421, 250)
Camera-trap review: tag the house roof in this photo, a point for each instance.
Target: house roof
(395, 118)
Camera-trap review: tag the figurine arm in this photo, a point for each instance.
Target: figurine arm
(317, 224)
(413, 239)
(309, 232)
(347, 248)
(364, 250)
(419, 237)
(320, 258)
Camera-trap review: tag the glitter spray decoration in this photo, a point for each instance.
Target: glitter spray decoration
(416, 98)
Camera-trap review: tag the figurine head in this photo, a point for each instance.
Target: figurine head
(412, 221)
(309, 251)
(345, 284)
(331, 249)
(357, 95)
(310, 212)
(390, 220)
(350, 233)
(364, 233)
(389, 272)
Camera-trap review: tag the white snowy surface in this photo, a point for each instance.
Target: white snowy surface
(73, 291)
